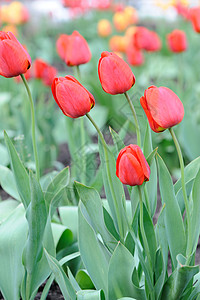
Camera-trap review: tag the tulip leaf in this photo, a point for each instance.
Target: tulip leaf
(151, 185)
(55, 190)
(8, 183)
(13, 235)
(21, 176)
(6, 208)
(113, 189)
(40, 234)
(191, 171)
(4, 157)
(90, 249)
(90, 295)
(118, 142)
(93, 204)
(120, 272)
(52, 277)
(178, 281)
(60, 276)
(150, 235)
(195, 220)
(173, 219)
(84, 281)
(69, 218)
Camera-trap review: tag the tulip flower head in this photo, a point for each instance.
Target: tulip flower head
(162, 107)
(72, 98)
(115, 74)
(14, 59)
(73, 49)
(195, 18)
(177, 41)
(44, 71)
(131, 166)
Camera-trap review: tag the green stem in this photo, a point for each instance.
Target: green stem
(83, 156)
(146, 247)
(189, 243)
(119, 221)
(137, 127)
(33, 127)
(83, 139)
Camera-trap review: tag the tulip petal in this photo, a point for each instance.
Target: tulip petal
(164, 106)
(13, 59)
(115, 75)
(74, 101)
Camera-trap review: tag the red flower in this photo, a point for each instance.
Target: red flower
(73, 49)
(14, 59)
(132, 167)
(177, 41)
(44, 71)
(115, 74)
(72, 98)
(195, 18)
(147, 40)
(162, 107)
(61, 45)
(134, 56)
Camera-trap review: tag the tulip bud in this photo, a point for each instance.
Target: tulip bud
(73, 49)
(131, 166)
(195, 18)
(177, 41)
(134, 56)
(162, 107)
(44, 71)
(14, 59)
(72, 98)
(146, 39)
(115, 74)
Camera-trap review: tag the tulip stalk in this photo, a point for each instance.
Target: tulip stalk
(189, 243)
(146, 247)
(135, 119)
(32, 127)
(119, 221)
(83, 139)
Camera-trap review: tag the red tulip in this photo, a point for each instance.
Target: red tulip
(61, 45)
(14, 59)
(72, 98)
(44, 71)
(147, 40)
(195, 18)
(132, 167)
(134, 56)
(73, 49)
(115, 74)
(162, 107)
(177, 41)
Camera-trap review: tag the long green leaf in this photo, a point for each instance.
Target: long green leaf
(55, 189)
(13, 235)
(90, 295)
(195, 219)
(21, 176)
(191, 171)
(120, 272)
(62, 279)
(113, 188)
(90, 250)
(178, 281)
(94, 207)
(8, 183)
(173, 218)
